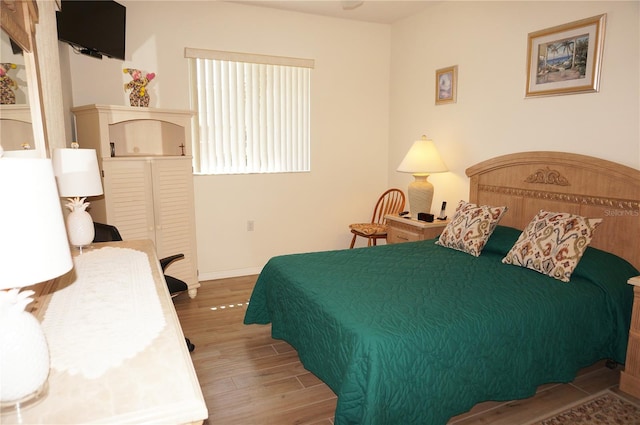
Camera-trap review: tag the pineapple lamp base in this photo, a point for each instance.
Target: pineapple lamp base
(14, 407)
(24, 354)
(80, 227)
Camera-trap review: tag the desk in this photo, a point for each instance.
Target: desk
(157, 385)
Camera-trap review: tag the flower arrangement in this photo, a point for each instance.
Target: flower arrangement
(138, 85)
(7, 85)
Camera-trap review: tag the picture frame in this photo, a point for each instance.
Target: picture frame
(446, 85)
(566, 59)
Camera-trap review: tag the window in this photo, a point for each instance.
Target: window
(253, 112)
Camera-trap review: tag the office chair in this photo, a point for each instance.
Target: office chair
(390, 202)
(108, 233)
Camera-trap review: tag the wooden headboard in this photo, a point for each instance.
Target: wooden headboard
(564, 182)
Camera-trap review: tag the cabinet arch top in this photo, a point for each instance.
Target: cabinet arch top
(113, 114)
(123, 131)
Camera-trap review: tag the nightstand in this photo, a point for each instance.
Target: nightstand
(630, 377)
(409, 230)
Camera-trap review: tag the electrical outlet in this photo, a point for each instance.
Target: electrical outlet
(250, 225)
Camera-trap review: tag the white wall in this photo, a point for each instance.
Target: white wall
(349, 121)
(373, 95)
(488, 42)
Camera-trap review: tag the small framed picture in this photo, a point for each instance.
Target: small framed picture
(565, 59)
(446, 85)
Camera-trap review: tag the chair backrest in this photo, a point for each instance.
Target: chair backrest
(390, 202)
(106, 233)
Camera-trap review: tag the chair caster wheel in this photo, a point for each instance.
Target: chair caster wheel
(190, 346)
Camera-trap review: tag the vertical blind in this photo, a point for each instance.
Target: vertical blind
(253, 113)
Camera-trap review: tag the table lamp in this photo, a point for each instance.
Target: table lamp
(421, 160)
(33, 249)
(78, 176)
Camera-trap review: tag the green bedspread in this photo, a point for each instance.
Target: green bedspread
(416, 333)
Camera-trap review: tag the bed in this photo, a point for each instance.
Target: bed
(416, 333)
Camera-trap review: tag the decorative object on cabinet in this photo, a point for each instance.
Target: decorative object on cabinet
(566, 59)
(148, 185)
(446, 85)
(7, 84)
(138, 85)
(421, 160)
(78, 176)
(34, 249)
(390, 202)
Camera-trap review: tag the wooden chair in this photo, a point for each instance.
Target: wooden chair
(390, 202)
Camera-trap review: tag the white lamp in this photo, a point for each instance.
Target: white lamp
(33, 249)
(78, 176)
(421, 160)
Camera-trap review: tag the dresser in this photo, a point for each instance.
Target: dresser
(155, 384)
(630, 377)
(403, 229)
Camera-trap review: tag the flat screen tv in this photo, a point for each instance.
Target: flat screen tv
(95, 28)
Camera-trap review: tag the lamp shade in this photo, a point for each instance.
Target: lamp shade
(422, 158)
(77, 172)
(33, 246)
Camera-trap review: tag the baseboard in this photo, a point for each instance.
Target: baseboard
(229, 273)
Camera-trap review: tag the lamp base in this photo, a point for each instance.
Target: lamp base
(80, 228)
(420, 195)
(24, 354)
(16, 406)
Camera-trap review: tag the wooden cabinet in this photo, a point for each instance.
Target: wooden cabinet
(408, 230)
(148, 183)
(630, 377)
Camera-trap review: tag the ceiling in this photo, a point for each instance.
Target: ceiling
(379, 11)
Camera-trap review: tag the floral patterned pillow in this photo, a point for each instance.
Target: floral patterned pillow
(553, 243)
(471, 227)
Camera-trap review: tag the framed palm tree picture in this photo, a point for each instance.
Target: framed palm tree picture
(566, 59)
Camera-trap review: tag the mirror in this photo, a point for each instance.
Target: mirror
(18, 19)
(16, 129)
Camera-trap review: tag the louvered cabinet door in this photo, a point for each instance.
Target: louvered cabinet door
(174, 216)
(128, 191)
